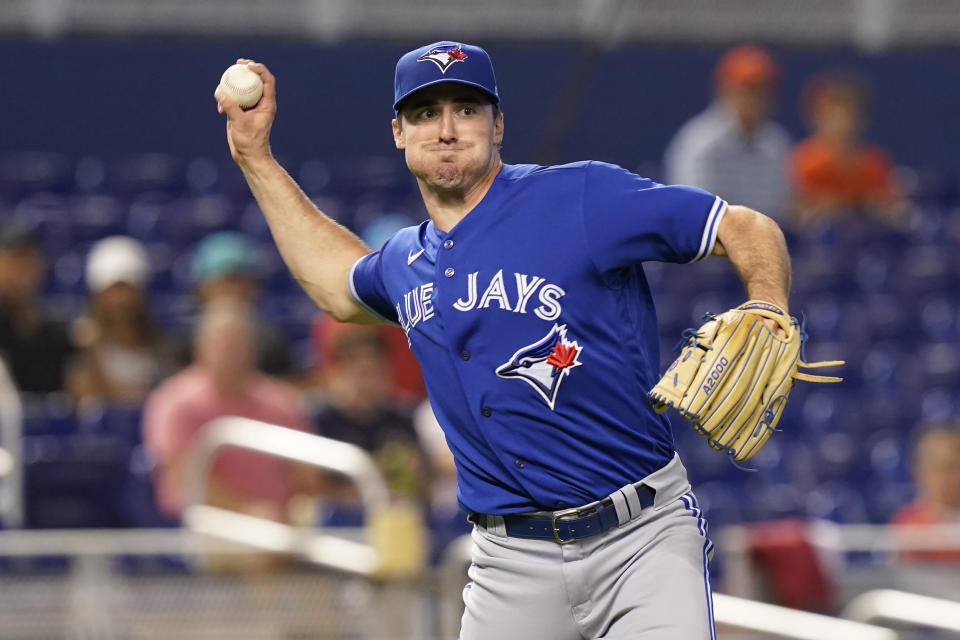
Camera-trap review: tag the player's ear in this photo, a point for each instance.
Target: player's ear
(398, 133)
(498, 127)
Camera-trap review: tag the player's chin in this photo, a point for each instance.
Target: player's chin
(446, 180)
(444, 175)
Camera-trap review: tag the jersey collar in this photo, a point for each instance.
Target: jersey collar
(432, 238)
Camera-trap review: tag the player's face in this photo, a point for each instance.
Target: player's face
(450, 136)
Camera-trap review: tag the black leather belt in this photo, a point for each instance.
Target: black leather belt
(569, 524)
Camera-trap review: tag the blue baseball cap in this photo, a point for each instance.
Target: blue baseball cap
(444, 62)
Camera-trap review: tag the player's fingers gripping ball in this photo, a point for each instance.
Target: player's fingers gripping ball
(733, 377)
(243, 85)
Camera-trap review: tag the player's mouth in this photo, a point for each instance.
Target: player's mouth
(441, 148)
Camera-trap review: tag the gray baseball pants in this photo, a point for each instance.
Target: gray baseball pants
(646, 579)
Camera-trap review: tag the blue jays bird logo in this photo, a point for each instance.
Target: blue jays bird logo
(444, 56)
(545, 363)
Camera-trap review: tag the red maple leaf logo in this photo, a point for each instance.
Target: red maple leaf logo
(562, 356)
(457, 54)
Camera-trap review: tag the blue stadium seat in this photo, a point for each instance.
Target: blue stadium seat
(97, 216)
(822, 314)
(722, 502)
(133, 173)
(874, 268)
(138, 505)
(773, 500)
(254, 224)
(820, 269)
(939, 317)
(885, 497)
(836, 501)
(67, 271)
(314, 176)
(209, 213)
(925, 270)
(939, 365)
(884, 366)
(938, 405)
(32, 171)
(76, 483)
(889, 454)
(147, 213)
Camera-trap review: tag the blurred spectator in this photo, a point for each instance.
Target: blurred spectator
(936, 474)
(406, 386)
(36, 348)
(223, 382)
(356, 407)
(835, 174)
(443, 485)
(124, 356)
(733, 149)
(225, 267)
(447, 520)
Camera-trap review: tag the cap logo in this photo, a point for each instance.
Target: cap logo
(444, 56)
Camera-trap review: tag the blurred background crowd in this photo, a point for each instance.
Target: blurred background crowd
(141, 295)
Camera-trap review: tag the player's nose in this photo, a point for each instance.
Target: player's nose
(448, 129)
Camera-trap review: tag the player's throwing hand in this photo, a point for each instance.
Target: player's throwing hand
(248, 132)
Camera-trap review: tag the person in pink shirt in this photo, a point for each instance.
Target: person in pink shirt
(223, 381)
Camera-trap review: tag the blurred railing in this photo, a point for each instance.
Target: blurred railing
(889, 605)
(144, 584)
(781, 622)
(378, 556)
(121, 584)
(870, 24)
(11, 451)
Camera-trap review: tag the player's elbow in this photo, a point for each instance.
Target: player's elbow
(745, 226)
(336, 303)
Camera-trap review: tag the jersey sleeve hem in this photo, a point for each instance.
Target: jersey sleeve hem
(710, 228)
(356, 296)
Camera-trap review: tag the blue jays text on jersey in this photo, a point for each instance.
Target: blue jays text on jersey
(417, 304)
(536, 331)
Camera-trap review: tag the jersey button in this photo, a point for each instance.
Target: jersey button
(449, 272)
(519, 464)
(448, 244)
(464, 355)
(487, 412)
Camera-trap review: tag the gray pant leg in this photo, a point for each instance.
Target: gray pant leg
(517, 591)
(645, 580)
(651, 580)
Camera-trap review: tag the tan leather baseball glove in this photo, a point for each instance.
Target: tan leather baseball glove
(733, 377)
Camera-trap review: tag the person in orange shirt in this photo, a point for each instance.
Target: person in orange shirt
(834, 173)
(936, 473)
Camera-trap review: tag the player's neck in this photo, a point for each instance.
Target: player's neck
(448, 207)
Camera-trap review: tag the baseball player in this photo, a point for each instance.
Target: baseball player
(524, 299)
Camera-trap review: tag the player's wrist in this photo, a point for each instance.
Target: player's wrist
(256, 162)
(778, 301)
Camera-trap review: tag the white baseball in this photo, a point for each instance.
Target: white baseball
(242, 85)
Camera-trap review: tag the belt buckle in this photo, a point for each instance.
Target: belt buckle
(560, 515)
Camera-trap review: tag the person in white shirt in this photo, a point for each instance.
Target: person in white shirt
(732, 148)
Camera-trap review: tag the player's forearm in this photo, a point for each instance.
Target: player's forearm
(757, 250)
(318, 251)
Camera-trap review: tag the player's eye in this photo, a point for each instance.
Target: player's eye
(469, 110)
(426, 114)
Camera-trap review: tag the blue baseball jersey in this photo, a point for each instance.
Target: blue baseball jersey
(536, 330)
